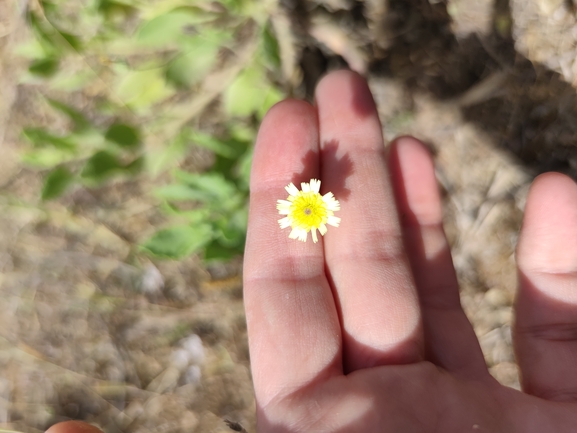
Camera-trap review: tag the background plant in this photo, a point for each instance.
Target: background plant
(135, 81)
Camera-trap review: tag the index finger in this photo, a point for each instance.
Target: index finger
(365, 256)
(293, 327)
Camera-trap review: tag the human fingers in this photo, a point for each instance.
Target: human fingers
(546, 307)
(365, 256)
(450, 341)
(293, 328)
(73, 427)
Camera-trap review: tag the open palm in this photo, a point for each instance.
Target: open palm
(364, 331)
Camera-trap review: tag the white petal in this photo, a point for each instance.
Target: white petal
(292, 189)
(334, 221)
(305, 187)
(298, 233)
(322, 229)
(331, 202)
(283, 207)
(294, 233)
(283, 203)
(284, 223)
(314, 235)
(334, 206)
(315, 185)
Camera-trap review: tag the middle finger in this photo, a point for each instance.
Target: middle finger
(365, 256)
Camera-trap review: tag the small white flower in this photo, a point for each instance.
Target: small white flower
(308, 211)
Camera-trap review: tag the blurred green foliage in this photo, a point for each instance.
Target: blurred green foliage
(141, 73)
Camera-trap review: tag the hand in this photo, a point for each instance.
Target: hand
(364, 331)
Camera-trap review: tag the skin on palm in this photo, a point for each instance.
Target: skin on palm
(364, 330)
(371, 319)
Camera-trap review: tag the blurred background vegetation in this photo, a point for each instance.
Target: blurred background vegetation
(133, 80)
(127, 130)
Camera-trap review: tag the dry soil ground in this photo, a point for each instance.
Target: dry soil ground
(89, 329)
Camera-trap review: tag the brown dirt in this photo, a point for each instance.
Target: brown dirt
(93, 330)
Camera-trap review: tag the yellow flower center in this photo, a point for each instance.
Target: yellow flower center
(309, 210)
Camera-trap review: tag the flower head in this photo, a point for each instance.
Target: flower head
(308, 211)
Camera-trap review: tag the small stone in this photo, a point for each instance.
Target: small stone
(152, 281)
(194, 348)
(496, 297)
(192, 375)
(179, 358)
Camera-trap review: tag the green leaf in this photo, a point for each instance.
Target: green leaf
(223, 148)
(170, 155)
(45, 67)
(180, 192)
(178, 242)
(231, 229)
(239, 218)
(242, 132)
(170, 27)
(215, 252)
(123, 135)
(30, 49)
(50, 36)
(80, 122)
(70, 81)
(250, 93)
(56, 183)
(234, 6)
(141, 89)
(47, 6)
(270, 46)
(244, 166)
(196, 216)
(47, 157)
(136, 166)
(100, 166)
(271, 97)
(115, 10)
(193, 217)
(225, 166)
(213, 186)
(231, 236)
(104, 164)
(192, 66)
(198, 54)
(42, 35)
(41, 138)
(72, 40)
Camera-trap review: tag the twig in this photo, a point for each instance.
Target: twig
(235, 426)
